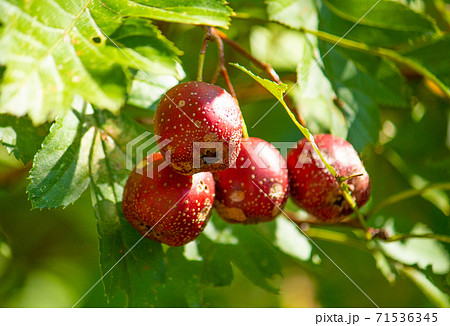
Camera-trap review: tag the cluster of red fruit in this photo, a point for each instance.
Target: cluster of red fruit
(247, 180)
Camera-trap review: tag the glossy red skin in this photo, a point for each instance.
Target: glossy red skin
(238, 199)
(182, 204)
(313, 187)
(213, 110)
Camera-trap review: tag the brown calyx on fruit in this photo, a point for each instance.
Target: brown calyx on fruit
(230, 214)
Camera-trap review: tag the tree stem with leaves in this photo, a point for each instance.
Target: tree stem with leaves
(380, 52)
(221, 68)
(263, 65)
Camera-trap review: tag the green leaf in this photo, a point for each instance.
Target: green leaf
(353, 89)
(255, 257)
(384, 13)
(182, 274)
(314, 95)
(420, 252)
(246, 248)
(147, 89)
(370, 35)
(217, 269)
(384, 266)
(142, 269)
(277, 90)
(60, 172)
(362, 116)
(293, 13)
(20, 137)
(277, 46)
(360, 89)
(139, 44)
(291, 241)
(429, 289)
(54, 50)
(200, 12)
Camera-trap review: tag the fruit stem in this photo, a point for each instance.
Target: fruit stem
(201, 56)
(264, 65)
(349, 199)
(223, 69)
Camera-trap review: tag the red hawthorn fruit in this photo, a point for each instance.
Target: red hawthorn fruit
(194, 112)
(313, 187)
(256, 188)
(175, 207)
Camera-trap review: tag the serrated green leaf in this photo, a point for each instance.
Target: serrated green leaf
(60, 172)
(217, 269)
(388, 86)
(382, 13)
(429, 289)
(139, 44)
(384, 266)
(359, 94)
(255, 257)
(54, 50)
(182, 274)
(362, 117)
(200, 12)
(20, 137)
(293, 13)
(142, 269)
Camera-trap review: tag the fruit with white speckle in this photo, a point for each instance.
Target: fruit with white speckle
(201, 121)
(166, 206)
(315, 189)
(256, 188)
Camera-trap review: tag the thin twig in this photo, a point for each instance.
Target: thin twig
(201, 56)
(399, 237)
(296, 218)
(223, 69)
(222, 66)
(264, 65)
